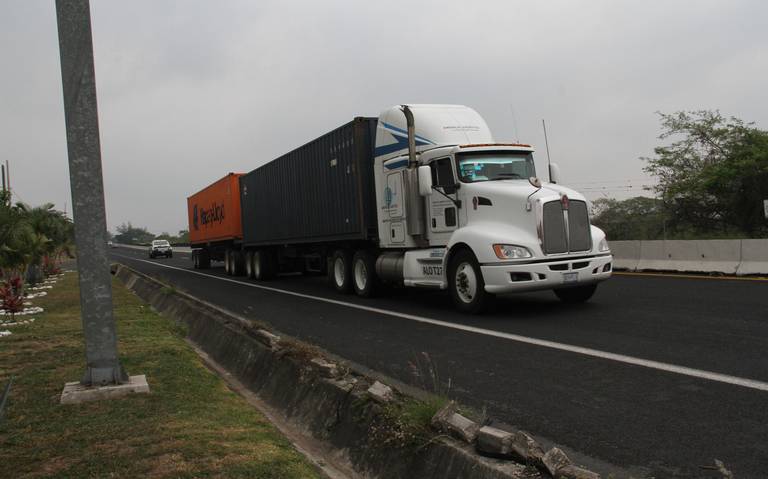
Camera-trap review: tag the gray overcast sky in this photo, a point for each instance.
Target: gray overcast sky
(190, 90)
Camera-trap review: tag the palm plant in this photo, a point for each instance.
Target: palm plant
(29, 238)
(52, 233)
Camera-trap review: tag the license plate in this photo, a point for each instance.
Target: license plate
(570, 277)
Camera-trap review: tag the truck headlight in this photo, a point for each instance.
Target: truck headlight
(510, 251)
(603, 246)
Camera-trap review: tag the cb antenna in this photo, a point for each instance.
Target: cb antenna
(546, 142)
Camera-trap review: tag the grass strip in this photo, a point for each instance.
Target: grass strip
(191, 425)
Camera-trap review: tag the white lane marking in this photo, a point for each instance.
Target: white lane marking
(596, 353)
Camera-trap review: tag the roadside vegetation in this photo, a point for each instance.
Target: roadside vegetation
(712, 181)
(33, 242)
(190, 425)
(136, 235)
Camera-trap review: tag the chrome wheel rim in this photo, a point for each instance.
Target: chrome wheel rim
(361, 275)
(338, 272)
(466, 282)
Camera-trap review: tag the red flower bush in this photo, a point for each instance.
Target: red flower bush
(50, 266)
(11, 295)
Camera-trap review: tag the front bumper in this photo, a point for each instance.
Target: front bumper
(559, 273)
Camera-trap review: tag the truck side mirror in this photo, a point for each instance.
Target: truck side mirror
(554, 173)
(425, 180)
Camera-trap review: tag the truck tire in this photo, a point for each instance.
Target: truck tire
(264, 265)
(204, 260)
(579, 294)
(466, 284)
(227, 262)
(364, 274)
(340, 271)
(238, 263)
(249, 264)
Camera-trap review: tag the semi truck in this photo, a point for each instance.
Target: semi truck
(422, 196)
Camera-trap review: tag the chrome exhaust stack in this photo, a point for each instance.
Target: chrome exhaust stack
(415, 202)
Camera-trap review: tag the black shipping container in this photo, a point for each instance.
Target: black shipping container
(322, 191)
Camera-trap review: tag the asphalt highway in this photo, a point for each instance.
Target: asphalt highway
(656, 376)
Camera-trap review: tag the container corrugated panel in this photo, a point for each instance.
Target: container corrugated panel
(322, 191)
(214, 212)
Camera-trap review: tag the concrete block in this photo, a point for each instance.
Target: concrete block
(264, 336)
(626, 254)
(554, 460)
(754, 257)
(575, 472)
(526, 447)
(458, 426)
(652, 256)
(328, 370)
(380, 392)
(494, 441)
(75, 393)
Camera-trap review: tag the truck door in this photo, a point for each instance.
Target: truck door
(442, 214)
(393, 201)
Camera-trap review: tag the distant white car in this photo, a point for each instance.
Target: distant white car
(160, 248)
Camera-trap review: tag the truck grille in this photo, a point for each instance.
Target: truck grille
(565, 231)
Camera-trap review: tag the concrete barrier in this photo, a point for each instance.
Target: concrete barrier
(754, 257)
(652, 256)
(741, 257)
(711, 256)
(626, 254)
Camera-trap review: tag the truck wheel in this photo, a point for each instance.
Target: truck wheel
(229, 262)
(465, 281)
(249, 264)
(579, 294)
(204, 260)
(340, 271)
(364, 274)
(238, 263)
(264, 267)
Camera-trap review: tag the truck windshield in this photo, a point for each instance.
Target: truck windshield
(475, 167)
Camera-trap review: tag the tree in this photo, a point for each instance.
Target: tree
(129, 234)
(714, 177)
(638, 218)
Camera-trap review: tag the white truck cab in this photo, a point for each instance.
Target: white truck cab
(459, 211)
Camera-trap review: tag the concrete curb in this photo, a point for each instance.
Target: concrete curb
(337, 404)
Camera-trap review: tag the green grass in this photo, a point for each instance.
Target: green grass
(191, 425)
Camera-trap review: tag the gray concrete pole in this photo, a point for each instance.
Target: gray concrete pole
(84, 150)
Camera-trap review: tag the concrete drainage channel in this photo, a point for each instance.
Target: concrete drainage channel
(335, 410)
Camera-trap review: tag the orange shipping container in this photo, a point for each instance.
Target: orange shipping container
(214, 212)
